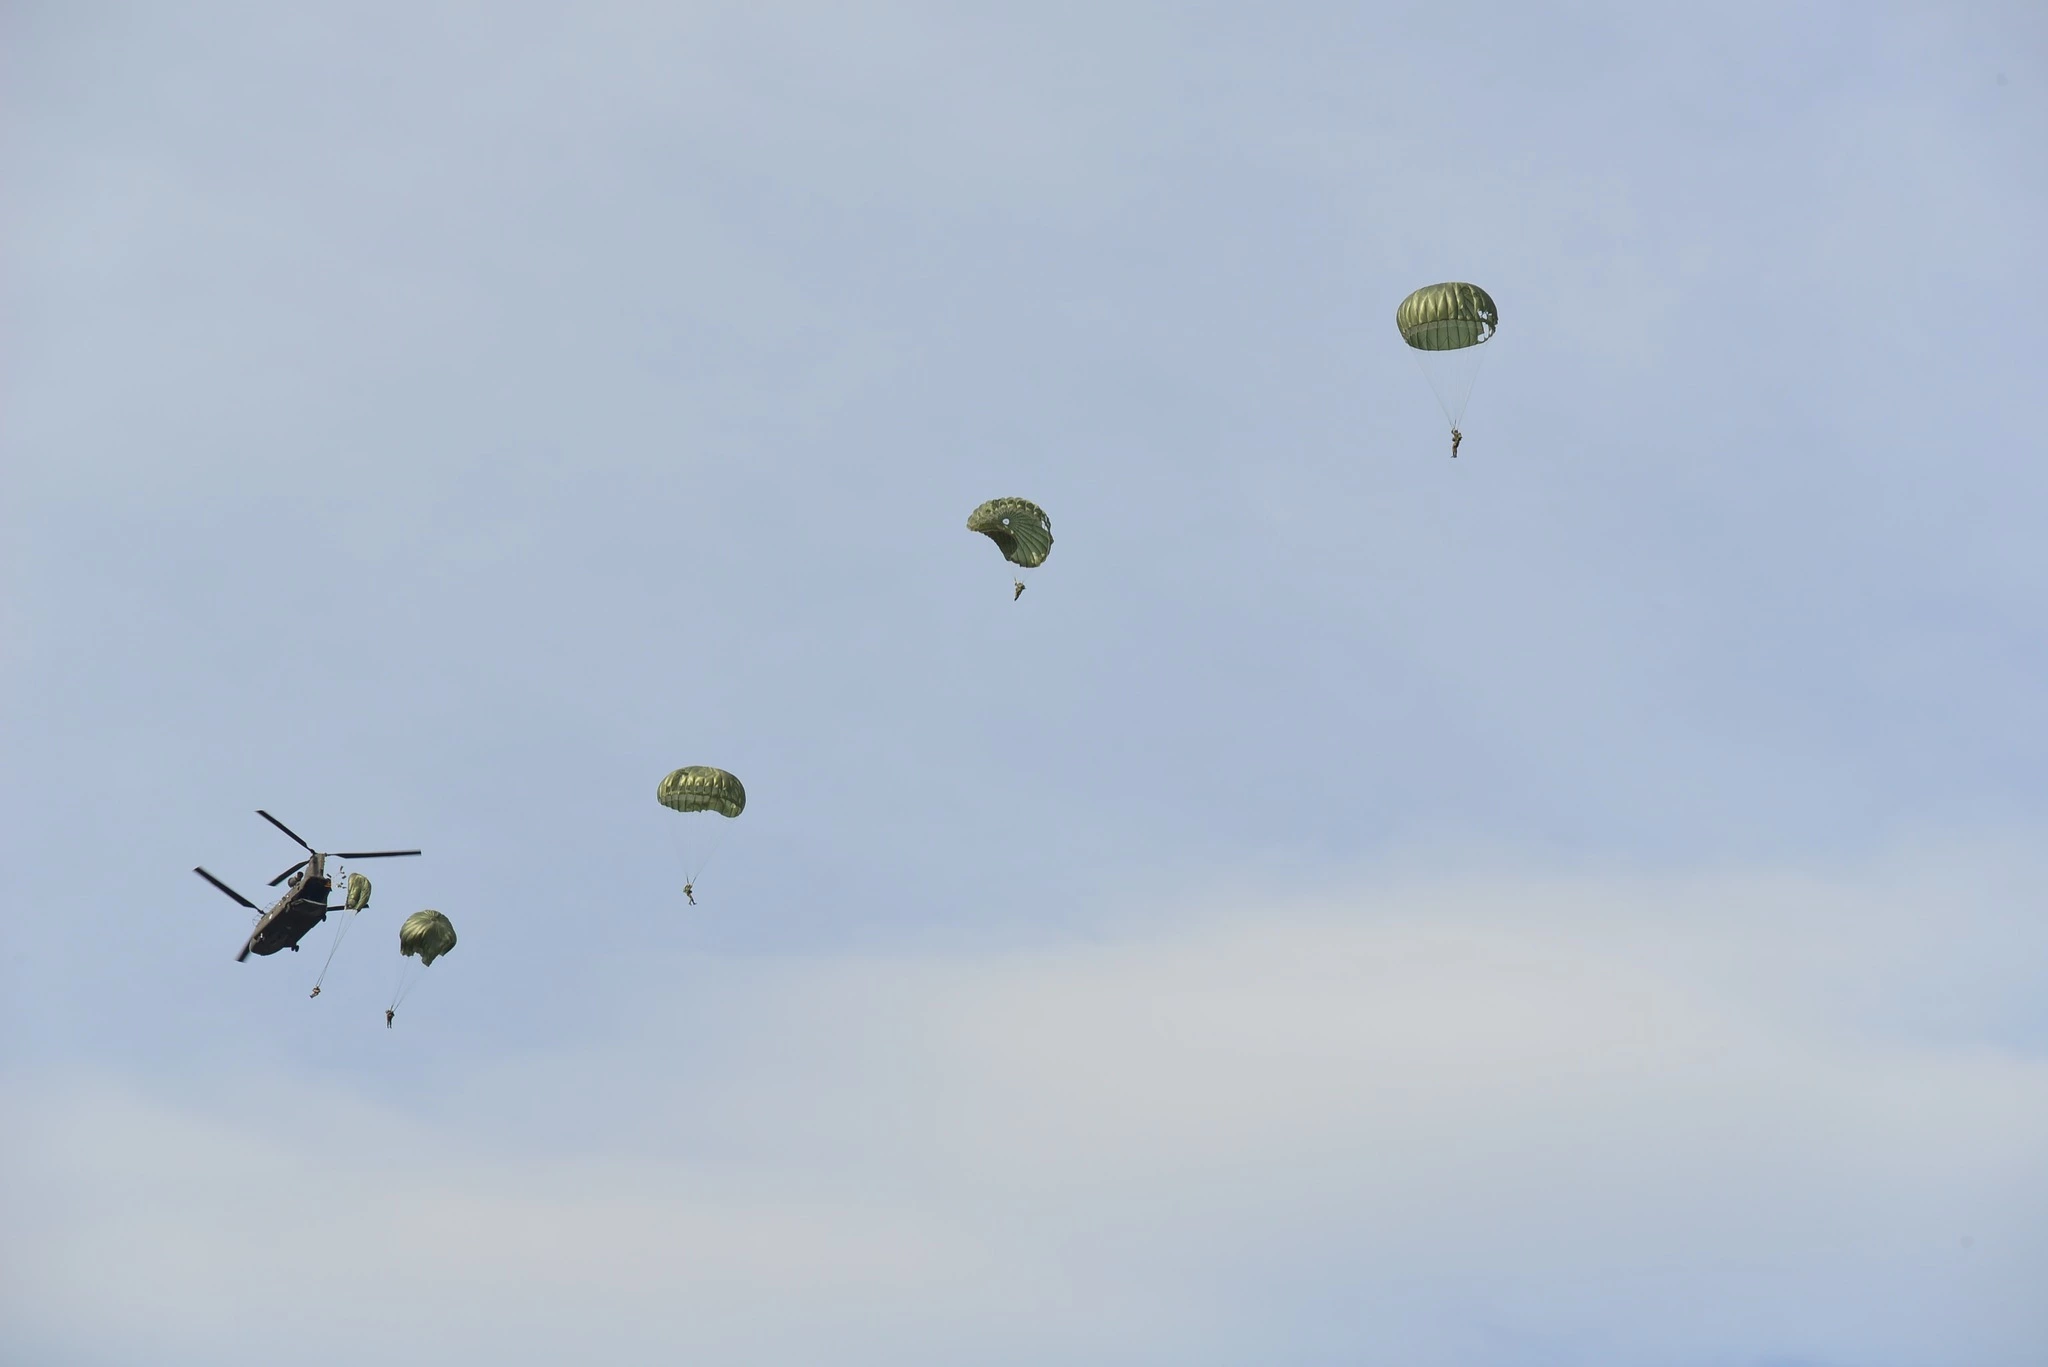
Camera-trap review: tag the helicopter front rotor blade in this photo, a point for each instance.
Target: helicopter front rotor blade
(371, 854)
(226, 889)
(289, 872)
(286, 829)
(245, 949)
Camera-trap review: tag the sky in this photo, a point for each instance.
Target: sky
(1577, 904)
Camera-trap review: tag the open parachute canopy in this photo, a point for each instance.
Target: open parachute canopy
(701, 788)
(1447, 317)
(1019, 527)
(427, 934)
(358, 892)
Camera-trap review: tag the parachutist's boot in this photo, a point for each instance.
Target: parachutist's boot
(1019, 585)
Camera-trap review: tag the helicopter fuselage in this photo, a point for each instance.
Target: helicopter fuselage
(296, 913)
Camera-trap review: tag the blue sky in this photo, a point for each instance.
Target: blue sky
(1577, 904)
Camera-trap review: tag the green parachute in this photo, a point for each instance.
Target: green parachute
(358, 892)
(701, 788)
(691, 790)
(1020, 529)
(1446, 326)
(426, 935)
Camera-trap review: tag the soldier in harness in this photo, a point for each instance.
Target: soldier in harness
(1456, 437)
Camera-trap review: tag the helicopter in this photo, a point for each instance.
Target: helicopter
(302, 908)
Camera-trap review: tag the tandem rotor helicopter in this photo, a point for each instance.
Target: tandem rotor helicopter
(304, 906)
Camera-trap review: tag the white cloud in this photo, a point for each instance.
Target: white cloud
(1502, 1120)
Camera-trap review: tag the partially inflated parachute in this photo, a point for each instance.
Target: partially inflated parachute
(1020, 529)
(1446, 326)
(427, 934)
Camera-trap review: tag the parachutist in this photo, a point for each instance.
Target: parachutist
(690, 892)
(388, 1015)
(1456, 437)
(316, 991)
(1019, 586)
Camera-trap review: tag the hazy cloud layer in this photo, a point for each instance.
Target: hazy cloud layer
(1524, 1120)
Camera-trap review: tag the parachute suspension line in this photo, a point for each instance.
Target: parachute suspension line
(402, 985)
(696, 845)
(341, 929)
(408, 976)
(1434, 387)
(703, 845)
(1478, 363)
(680, 841)
(699, 864)
(1451, 376)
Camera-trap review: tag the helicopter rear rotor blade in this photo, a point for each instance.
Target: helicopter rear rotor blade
(226, 889)
(289, 872)
(371, 854)
(286, 829)
(245, 949)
